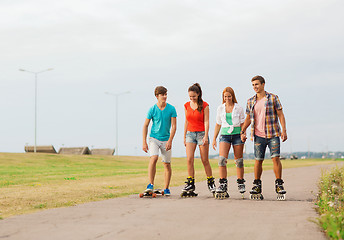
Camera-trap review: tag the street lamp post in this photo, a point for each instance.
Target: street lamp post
(36, 73)
(116, 95)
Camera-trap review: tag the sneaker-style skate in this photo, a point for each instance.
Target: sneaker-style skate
(151, 192)
(256, 192)
(149, 188)
(167, 192)
(221, 191)
(280, 190)
(211, 184)
(189, 188)
(241, 186)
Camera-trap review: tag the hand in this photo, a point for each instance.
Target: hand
(168, 145)
(205, 141)
(184, 141)
(145, 147)
(243, 137)
(214, 145)
(284, 136)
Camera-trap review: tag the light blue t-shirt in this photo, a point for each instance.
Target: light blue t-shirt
(161, 121)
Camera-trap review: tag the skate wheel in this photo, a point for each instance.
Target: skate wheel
(153, 195)
(141, 195)
(162, 193)
(256, 196)
(280, 197)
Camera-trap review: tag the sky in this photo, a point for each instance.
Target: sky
(98, 46)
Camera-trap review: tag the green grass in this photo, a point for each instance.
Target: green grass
(331, 203)
(32, 182)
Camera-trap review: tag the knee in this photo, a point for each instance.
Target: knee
(167, 166)
(222, 161)
(190, 159)
(239, 163)
(154, 159)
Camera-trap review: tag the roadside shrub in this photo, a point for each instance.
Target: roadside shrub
(330, 203)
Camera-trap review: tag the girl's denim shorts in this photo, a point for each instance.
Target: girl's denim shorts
(231, 139)
(195, 137)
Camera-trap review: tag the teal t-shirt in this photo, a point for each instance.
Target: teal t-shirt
(224, 130)
(161, 121)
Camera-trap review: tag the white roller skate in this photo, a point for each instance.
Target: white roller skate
(241, 186)
(211, 184)
(280, 190)
(256, 192)
(189, 188)
(221, 191)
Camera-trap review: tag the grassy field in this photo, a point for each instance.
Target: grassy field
(31, 182)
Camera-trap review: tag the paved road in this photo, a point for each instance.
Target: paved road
(191, 218)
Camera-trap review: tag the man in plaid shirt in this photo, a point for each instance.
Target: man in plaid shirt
(263, 112)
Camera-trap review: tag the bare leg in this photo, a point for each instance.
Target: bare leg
(258, 169)
(190, 157)
(152, 168)
(204, 151)
(168, 174)
(224, 150)
(277, 167)
(238, 153)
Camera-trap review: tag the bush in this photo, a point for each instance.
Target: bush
(330, 203)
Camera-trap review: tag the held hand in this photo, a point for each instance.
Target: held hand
(168, 145)
(145, 147)
(214, 145)
(243, 137)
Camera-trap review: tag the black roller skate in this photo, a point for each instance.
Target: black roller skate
(189, 188)
(241, 186)
(256, 192)
(280, 189)
(211, 184)
(221, 191)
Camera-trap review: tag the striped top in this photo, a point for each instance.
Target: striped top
(272, 104)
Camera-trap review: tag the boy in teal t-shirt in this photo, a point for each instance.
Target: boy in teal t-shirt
(164, 118)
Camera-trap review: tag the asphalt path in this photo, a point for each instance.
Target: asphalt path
(173, 217)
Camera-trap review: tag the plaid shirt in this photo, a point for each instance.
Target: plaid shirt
(272, 104)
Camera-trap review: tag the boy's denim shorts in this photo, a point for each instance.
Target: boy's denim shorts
(260, 145)
(155, 145)
(231, 139)
(195, 137)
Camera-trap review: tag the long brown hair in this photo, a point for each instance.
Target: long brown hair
(231, 91)
(197, 89)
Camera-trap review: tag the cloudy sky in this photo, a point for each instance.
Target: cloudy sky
(119, 45)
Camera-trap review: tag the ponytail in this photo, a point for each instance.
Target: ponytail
(197, 89)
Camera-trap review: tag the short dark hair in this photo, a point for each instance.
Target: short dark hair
(160, 90)
(260, 78)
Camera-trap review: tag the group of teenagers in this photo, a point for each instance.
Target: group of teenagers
(263, 112)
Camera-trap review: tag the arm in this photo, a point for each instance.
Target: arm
(173, 132)
(244, 126)
(281, 118)
(206, 126)
(216, 133)
(144, 135)
(185, 128)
